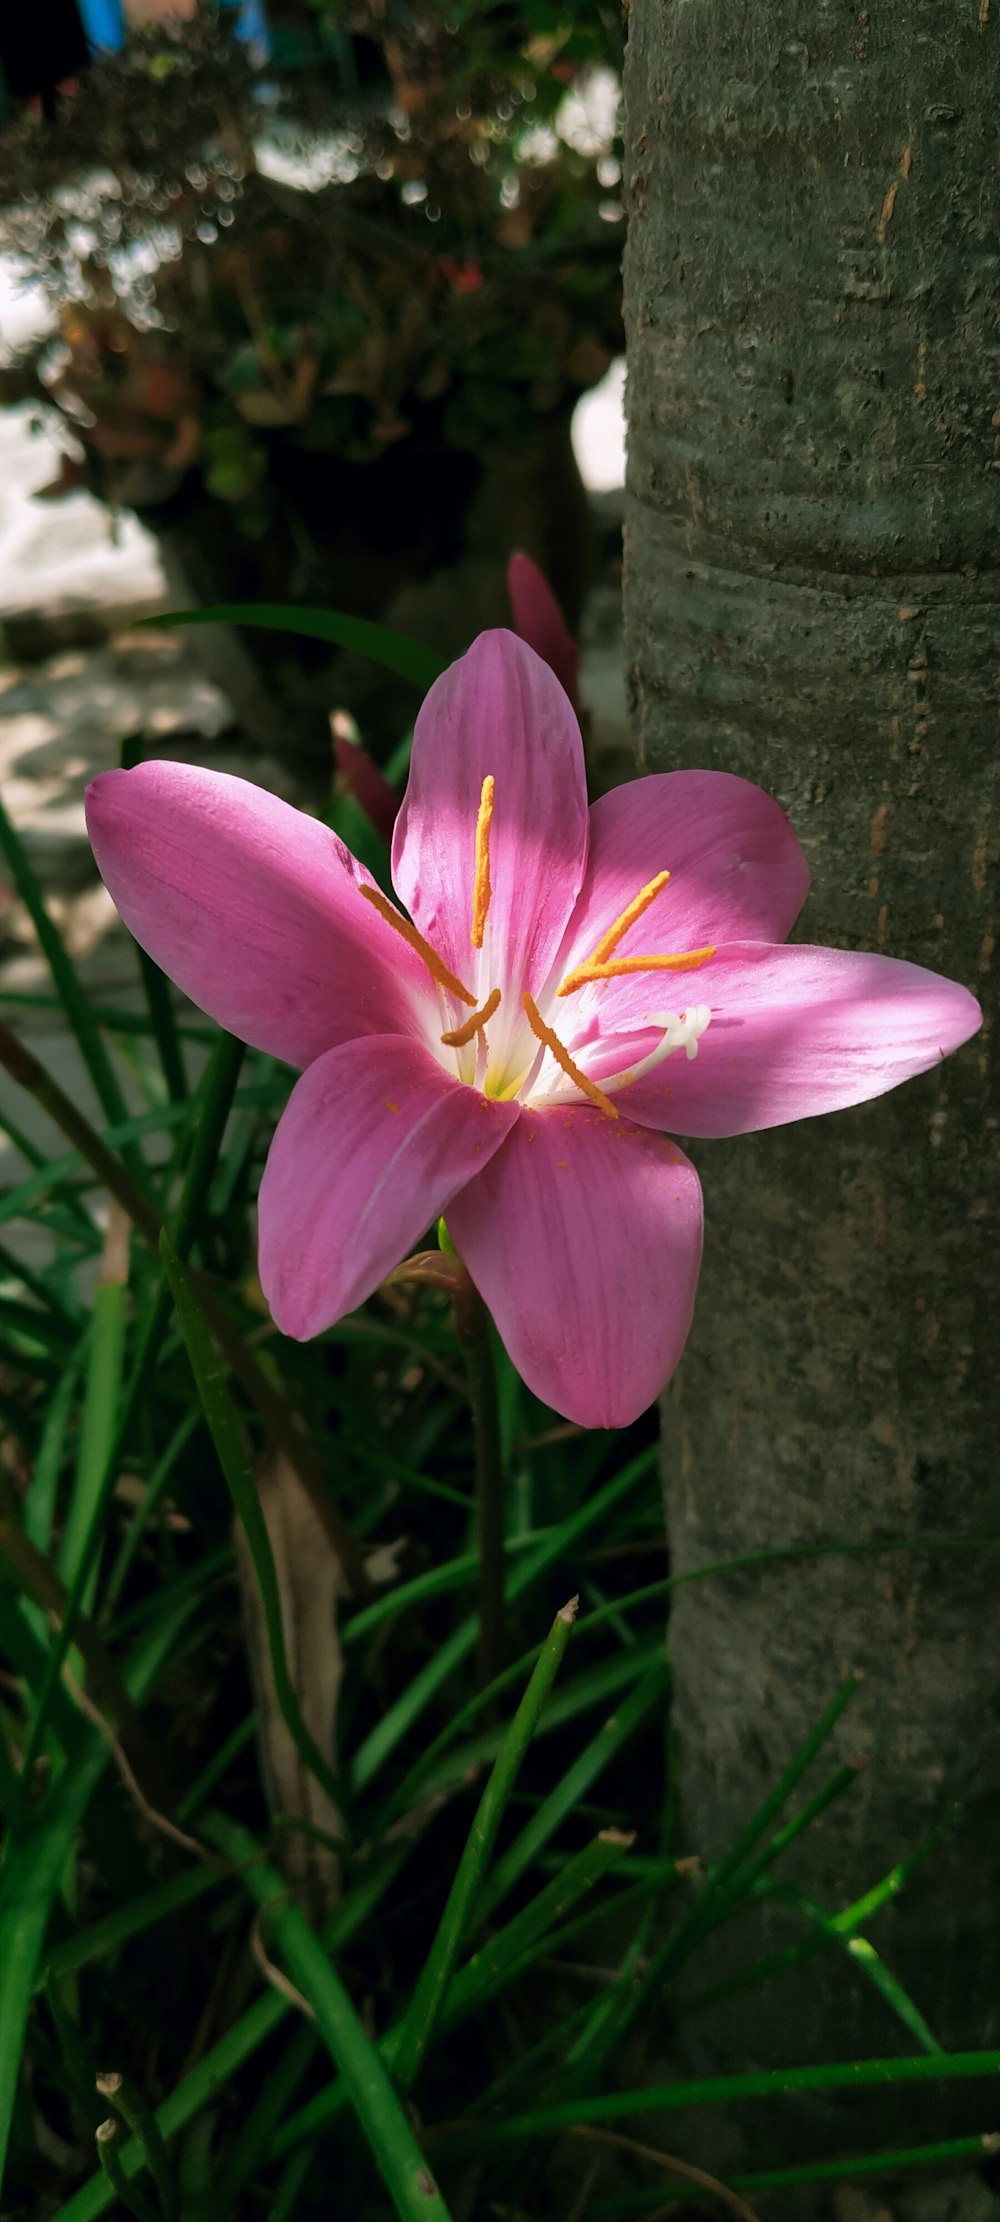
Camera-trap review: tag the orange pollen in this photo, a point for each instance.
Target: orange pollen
(617, 967)
(460, 1035)
(543, 1033)
(481, 889)
(407, 932)
(609, 942)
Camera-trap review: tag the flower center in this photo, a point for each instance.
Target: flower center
(514, 1073)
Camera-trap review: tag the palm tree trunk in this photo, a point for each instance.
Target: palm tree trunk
(811, 600)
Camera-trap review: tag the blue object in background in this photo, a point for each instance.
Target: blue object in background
(103, 23)
(251, 25)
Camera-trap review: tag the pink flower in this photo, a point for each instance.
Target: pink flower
(513, 1057)
(539, 620)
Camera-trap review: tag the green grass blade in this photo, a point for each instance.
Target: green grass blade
(746, 1877)
(74, 1002)
(723, 1882)
(868, 2164)
(576, 1782)
(409, 659)
(39, 1507)
(102, 1393)
(155, 1487)
(211, 1112)
(43, 1287)
(213, 1106)
(225, 1432)
(33, 1876)
(438, 1968)
(378, 2109)
(891, 1989)
(101, 1938)
(134, 2108)
(477, 1980)
(840, 1925)
(424, 1686)
(721, 2090)
(218, 2067)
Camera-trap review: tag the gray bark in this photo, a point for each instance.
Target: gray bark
(811, 600)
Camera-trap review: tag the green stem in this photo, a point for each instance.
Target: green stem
(131, 2194)
(472, 1321)
(138, 2115)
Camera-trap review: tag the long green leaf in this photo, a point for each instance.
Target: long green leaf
(476, 1981)
(557, 1547)
(378, 2109)
(868, 2164)
(225, 1432)
(72, 997)
(218, 2067)
(33, 1876)
(105, 1360)
(720, 2090)
(395, 651)
(611, 1738)
(438, 1968)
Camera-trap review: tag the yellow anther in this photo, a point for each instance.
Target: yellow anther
(481, 889)
(618, 967)
(609, 942)
(543, 1033)
(407, 932)
(460, 1035)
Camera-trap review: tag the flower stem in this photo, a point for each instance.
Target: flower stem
(473, 1323)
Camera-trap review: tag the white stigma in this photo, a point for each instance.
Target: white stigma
(681, 1030)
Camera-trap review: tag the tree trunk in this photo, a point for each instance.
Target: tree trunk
(811, 600)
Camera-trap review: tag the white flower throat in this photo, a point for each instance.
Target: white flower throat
(512, 1052)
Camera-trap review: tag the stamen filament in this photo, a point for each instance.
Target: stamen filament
(609, 942)
(481, 888)
(543, 1033)
(461, 1035)
(618, 967)
(402, 926)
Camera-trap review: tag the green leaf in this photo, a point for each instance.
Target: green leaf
(225, 1432)
(439, 1965)
(379, 2111)
(34, 1874)
(576, 1782)
(409, 659)
(721, 2090)
(558, 1546)
(71, 995)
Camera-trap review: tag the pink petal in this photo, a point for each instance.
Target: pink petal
(737, 872)
(497, 710)
(798, 1031)
(539, 620)
(253, 909)
(584, 1238)
(375, 1141)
